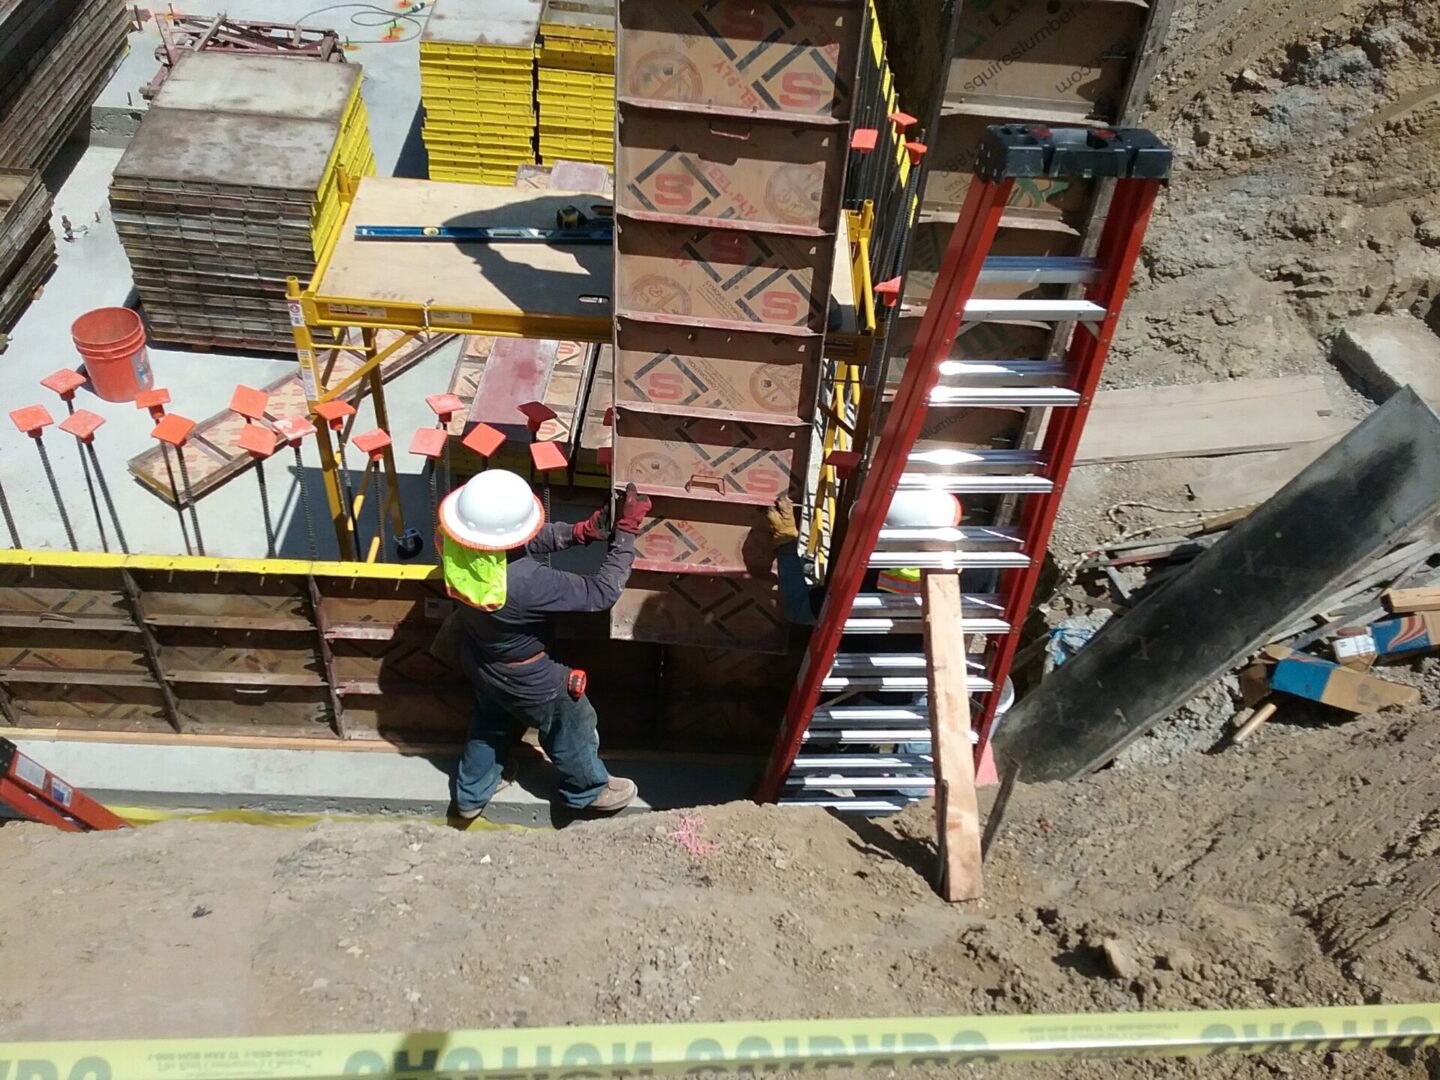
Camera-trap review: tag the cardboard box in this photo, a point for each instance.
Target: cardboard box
(1356, 651)
(1407, 634)
(1320, 680)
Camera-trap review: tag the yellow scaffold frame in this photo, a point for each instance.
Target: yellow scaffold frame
(322, 322)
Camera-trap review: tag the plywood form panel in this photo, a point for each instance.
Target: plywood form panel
(732, 122)
(766, 376)
(790, 57)
(728, 612)
(1060, 57)
(729, 169)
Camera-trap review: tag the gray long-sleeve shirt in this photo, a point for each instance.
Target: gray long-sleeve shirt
(493, 640)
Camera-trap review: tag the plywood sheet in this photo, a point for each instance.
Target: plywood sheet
(1234, 417)
(1224, 482)
(512, 279)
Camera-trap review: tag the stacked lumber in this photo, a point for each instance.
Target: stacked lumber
(575, 81)
(231, 184)
(27, 246)
(54, 59)
(477, 74)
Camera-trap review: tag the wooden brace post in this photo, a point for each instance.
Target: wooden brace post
(957, 811)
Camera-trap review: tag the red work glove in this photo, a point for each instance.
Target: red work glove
(632, 510)
(595, 527)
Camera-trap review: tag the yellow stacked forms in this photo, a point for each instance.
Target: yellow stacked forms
(575, 69)
(477, 83)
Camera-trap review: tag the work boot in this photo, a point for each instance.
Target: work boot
(507, 777)
(616, 796)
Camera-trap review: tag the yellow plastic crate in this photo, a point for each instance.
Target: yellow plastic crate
(457, 52)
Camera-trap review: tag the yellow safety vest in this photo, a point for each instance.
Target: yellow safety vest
(904, 580)
(474, 577)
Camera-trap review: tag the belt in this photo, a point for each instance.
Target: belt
(527, 660)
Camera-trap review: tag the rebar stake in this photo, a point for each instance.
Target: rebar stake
(82, 423)
(32, 421)
(9, 520)
(190, 498)
(175, 498)
(66, 382)
(295, 430)
(105, 492)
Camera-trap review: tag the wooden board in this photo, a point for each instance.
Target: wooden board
(1253, 478)
(957, 811)
(513, 279)
(213, 453)
(1405, 601)
(1369, 491)
(1235, 417)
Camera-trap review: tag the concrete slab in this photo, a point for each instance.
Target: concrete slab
(357, 781)
(93, 272)
(1391, 351)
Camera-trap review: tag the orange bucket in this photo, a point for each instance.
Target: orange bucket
(112, 341)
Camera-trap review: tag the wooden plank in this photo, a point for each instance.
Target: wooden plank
(1369, 491)
(213, 453)
(1407, 601)
(957, 812)
(513, 279)
(1225, 481)
(1234, 417)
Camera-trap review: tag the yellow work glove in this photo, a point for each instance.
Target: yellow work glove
(781, 518)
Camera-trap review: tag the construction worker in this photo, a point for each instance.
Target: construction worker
(490, 529)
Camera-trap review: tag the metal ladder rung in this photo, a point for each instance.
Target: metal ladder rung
(914, 680)
(949, 560)
(962, 484)
(864, 761)
(861, 783)
(865, 736)
(838, 716)
(977, 604)
(954, 470)
(971, 536)
(853, 805)
(953, 457)
(994, 396)
(1038, 270)
(996, 310)
(1023, 371)
(911, 624)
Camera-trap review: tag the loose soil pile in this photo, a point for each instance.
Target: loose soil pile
(1308, 142)
(1302, 872)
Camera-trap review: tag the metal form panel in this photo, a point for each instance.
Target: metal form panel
(732, 124)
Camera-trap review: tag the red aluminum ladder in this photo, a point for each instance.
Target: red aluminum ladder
(834, 666)
(34, 792)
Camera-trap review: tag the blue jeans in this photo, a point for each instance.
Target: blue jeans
(567, 733)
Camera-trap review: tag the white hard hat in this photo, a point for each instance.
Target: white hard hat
(494, 511)
(922, 510)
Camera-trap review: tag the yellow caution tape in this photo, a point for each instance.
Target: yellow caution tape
(633, 1051)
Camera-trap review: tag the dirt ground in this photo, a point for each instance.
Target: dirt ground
(1308, 156)
(1300, 872)
(1308, 142)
